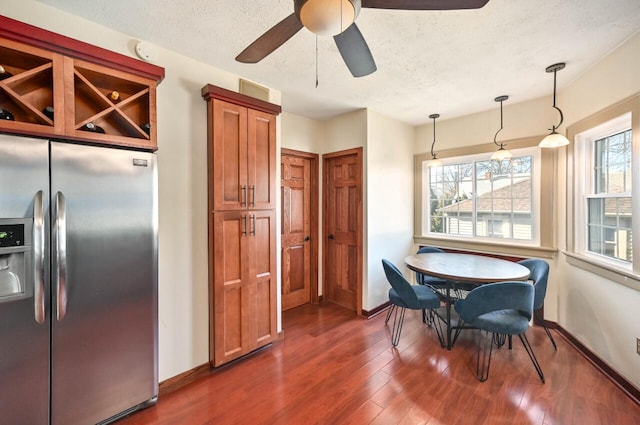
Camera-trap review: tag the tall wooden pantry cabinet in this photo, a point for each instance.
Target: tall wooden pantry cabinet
(242, 223)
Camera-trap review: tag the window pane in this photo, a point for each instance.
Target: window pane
(486, 198)
(612, 164)
(609, 227)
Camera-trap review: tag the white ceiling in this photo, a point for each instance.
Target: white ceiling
(451, 62)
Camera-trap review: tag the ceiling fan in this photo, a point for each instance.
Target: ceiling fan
(337, 18)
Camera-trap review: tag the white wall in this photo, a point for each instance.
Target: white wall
(389, 218)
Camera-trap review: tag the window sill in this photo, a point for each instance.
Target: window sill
(623, 277)
(488, 247)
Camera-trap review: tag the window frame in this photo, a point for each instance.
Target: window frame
(611, 268)
(548, 180)
(533, 152)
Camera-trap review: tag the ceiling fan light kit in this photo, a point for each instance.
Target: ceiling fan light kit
(327, 17)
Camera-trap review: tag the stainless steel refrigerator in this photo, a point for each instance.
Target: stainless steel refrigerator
(78, 282)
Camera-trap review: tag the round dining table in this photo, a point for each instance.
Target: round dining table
(456, 268)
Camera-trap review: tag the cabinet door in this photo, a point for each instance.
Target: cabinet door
(261, 155)
(229, 145)
(244, 285)
(262, 274)
(230, 290)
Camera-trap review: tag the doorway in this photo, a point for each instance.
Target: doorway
(299, 194)
(342, 228)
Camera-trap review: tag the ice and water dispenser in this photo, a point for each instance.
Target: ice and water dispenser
(15, 259)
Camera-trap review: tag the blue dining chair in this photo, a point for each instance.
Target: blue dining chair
(432, 282)
(503, 308)
(425, 279)
(403, 295)
(539, 275)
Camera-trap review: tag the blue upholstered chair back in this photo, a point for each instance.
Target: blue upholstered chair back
(400, 284)
(497, 296)
(428, 249)
(539, 275)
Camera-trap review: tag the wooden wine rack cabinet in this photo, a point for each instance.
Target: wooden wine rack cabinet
(76, 79)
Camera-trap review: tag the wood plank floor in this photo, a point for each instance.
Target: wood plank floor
(336, 368)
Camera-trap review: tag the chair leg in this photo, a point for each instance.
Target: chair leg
(544, 325)
(427, 317)
(532, 356)
(437, 324)
(397, 326)
(389, 311)
(484, 360)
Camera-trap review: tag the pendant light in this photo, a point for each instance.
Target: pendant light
(434, 162)
(501, 153)
(555, 139)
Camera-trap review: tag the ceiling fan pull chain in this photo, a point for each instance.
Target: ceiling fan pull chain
(316, 61)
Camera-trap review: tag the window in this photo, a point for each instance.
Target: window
(476, 197)
(603, 192)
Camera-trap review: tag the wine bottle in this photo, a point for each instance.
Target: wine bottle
(6, 115)
(4, 73)
(48, 112)
(92, 128)
(146, 127)
(114, 96)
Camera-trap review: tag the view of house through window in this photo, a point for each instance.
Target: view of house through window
(481, 198)
(609, 201)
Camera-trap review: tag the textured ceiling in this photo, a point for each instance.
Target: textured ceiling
(451, 62)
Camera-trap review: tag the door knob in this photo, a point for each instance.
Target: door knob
(331, 237)
(306, 238)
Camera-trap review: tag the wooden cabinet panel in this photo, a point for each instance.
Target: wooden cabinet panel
(230, 191)
(244, 157)
(242, 232)
(261, 159)
(244, 285)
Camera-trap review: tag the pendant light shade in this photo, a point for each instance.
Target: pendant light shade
(327, 17)
(434, 162)
(555, 139)
(501, 153)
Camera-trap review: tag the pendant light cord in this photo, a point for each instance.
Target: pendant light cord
(499, 99)
(553, 128)
(433, 117)
(316, 60)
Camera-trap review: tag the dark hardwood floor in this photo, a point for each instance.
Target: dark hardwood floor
(336, 368)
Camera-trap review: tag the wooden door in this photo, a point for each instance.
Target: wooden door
(342, 198)
(228, 169)
(296, 230)
(261, 154)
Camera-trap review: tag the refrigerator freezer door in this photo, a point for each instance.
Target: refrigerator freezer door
(24, 328)
(104, 279)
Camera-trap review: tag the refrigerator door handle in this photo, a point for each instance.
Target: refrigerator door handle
(61, 256)
(38, 253)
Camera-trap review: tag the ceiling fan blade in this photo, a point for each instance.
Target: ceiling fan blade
(424, 4)
(355, 52)
(271, 40)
